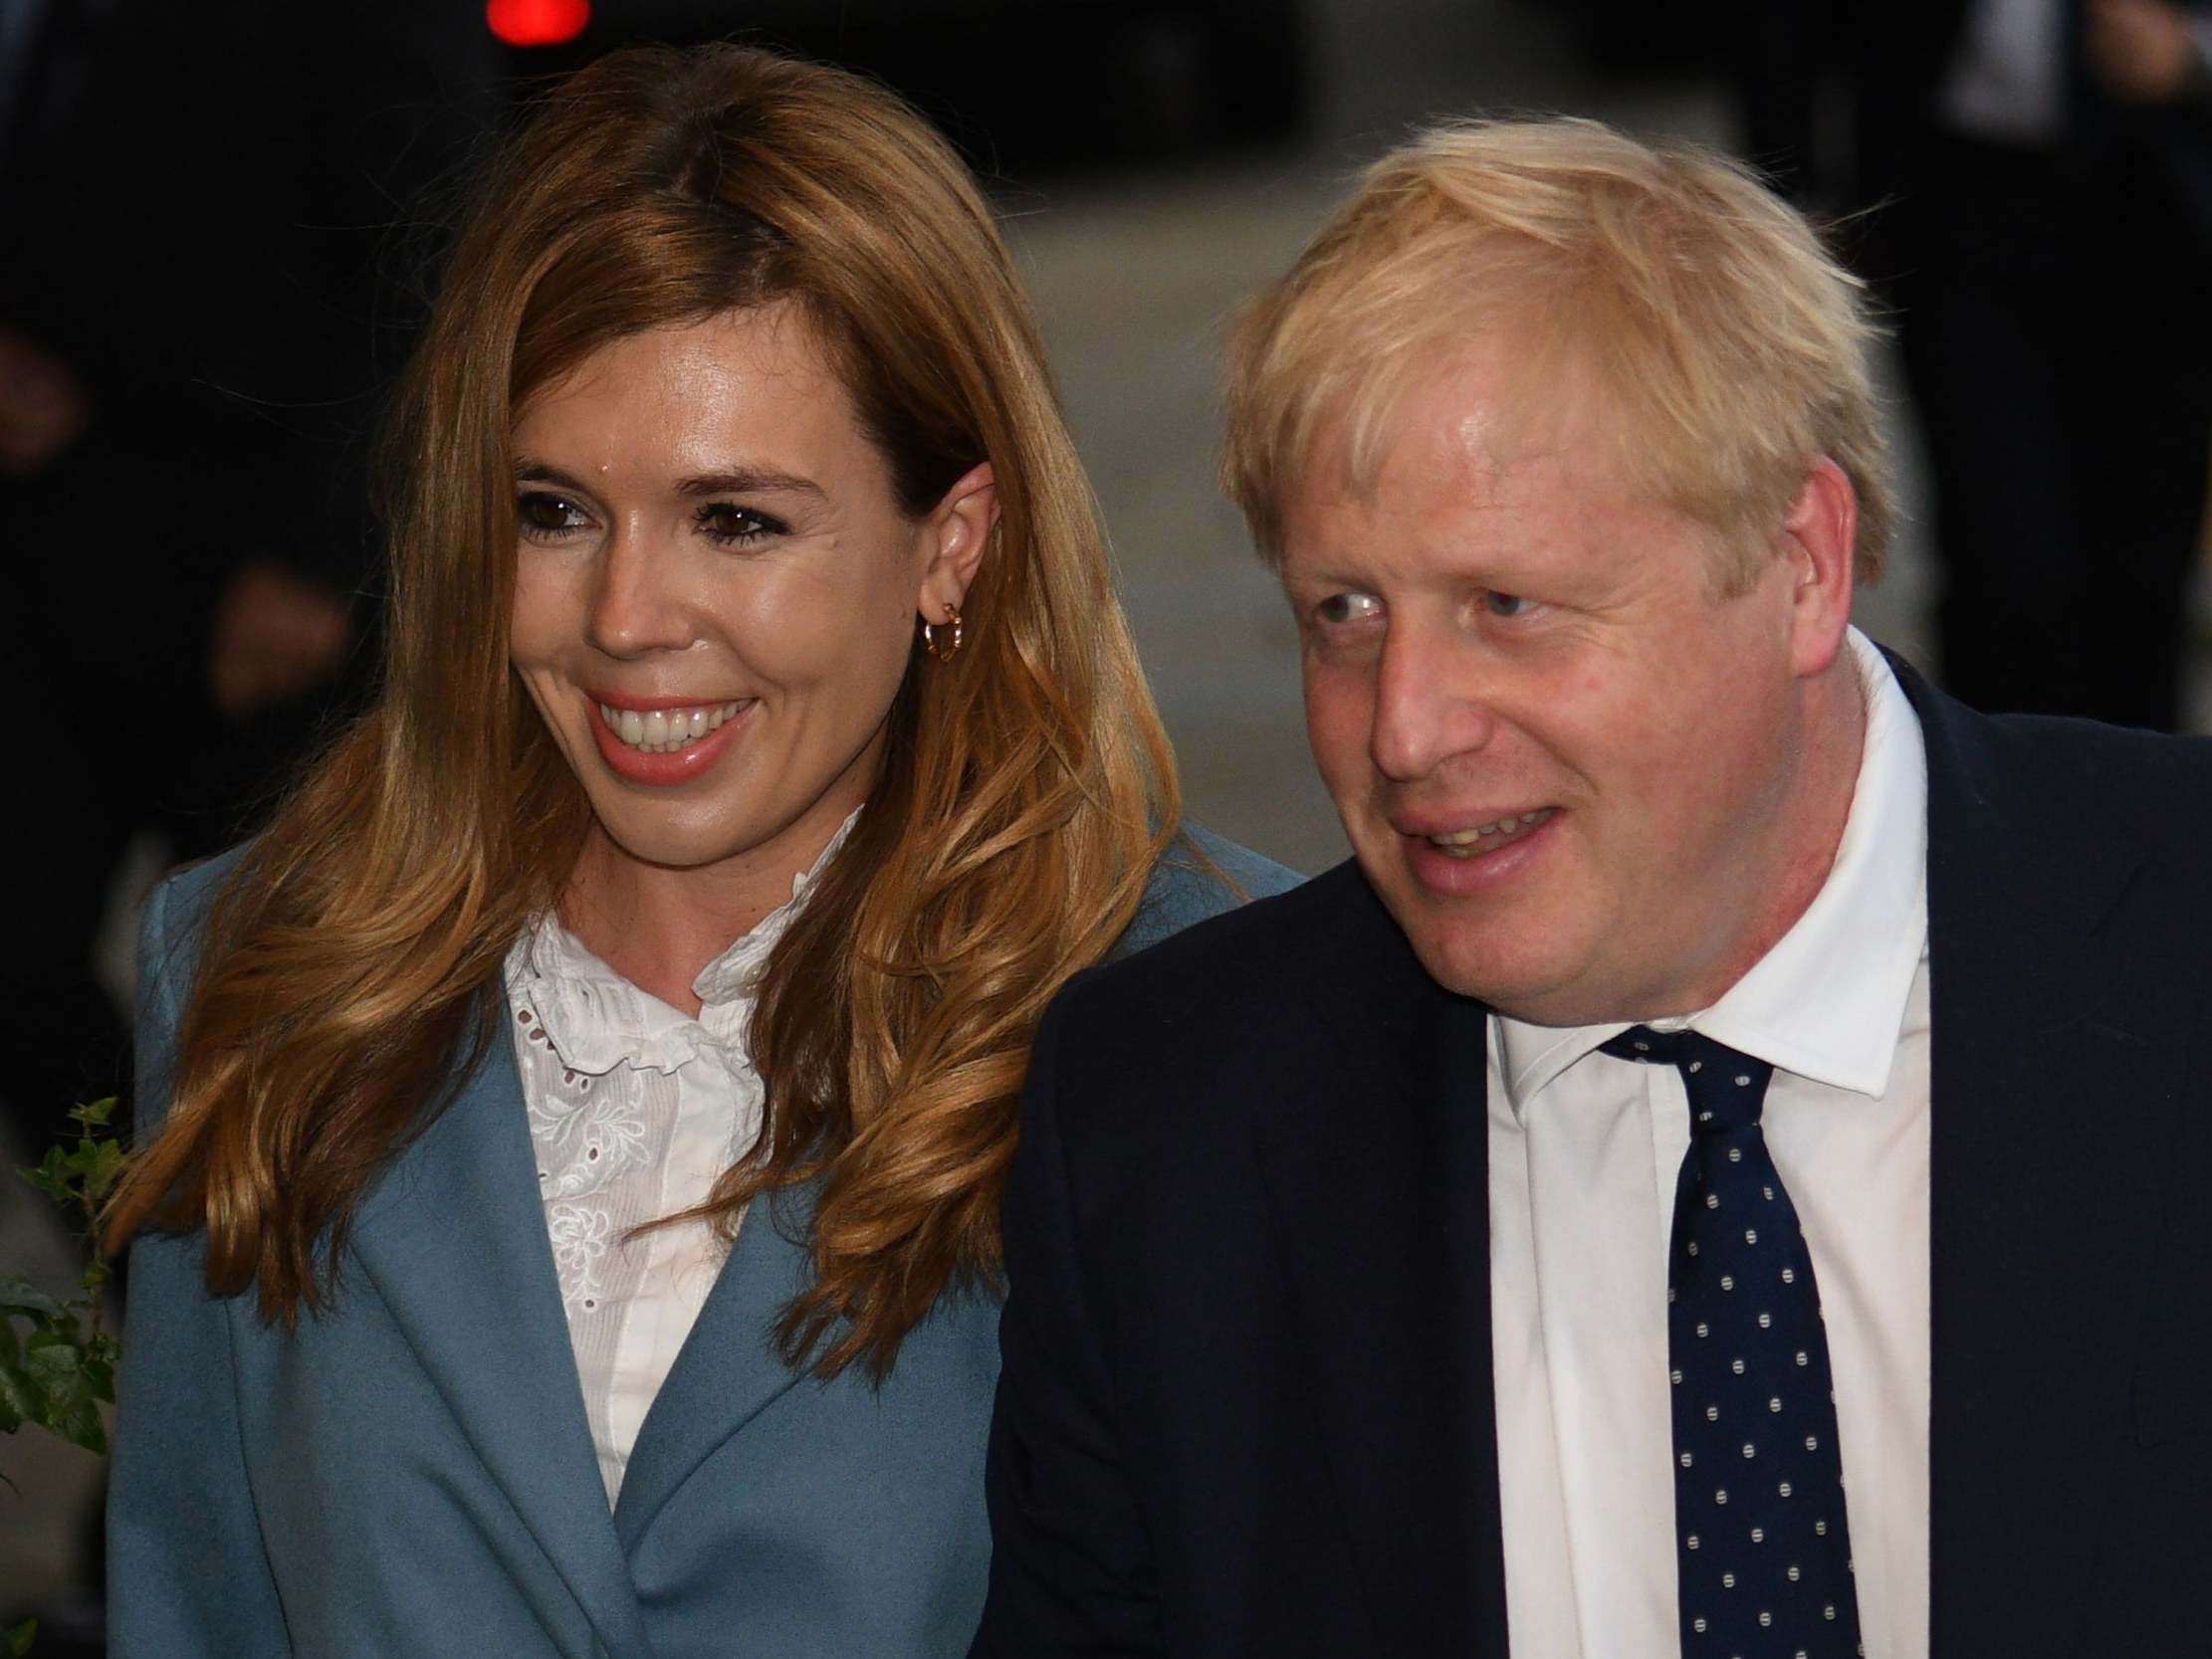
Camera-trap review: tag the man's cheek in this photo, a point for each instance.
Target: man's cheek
(1339, 718)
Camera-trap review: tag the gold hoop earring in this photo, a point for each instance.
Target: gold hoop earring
(944, 649)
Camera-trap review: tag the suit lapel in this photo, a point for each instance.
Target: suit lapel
(454, 1242)
(728, 1369)
(2055, 998)
(1390, 1138)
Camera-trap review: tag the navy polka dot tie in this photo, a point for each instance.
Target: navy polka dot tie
(1762, 1550)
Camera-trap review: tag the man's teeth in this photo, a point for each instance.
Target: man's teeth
(1480, 839)
(665, 730)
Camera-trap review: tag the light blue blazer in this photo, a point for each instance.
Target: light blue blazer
(410, 1474)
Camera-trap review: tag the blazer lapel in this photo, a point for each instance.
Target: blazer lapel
(728, 1369)
(454, 1242)
(2056, 1001)
(1390, 1139)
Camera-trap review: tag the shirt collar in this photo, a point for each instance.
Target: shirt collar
(595, 1019)
(1828, 1001)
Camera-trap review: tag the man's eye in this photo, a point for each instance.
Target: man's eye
(542, 516)
(1340, 608)
(731, 524)
(1506, 604)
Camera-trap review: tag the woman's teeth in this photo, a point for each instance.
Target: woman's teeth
(665, 730)
(1485, 838)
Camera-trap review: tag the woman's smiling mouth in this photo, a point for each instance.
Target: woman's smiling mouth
(667, 730)
(667, 747)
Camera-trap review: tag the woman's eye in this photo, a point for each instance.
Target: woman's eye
(1340, 608)
(542, 515)
(1506, 604)
(729, 524)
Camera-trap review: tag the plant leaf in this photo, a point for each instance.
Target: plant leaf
(81, 1426)
(18, 1296)
(103, 1168)
(53, 1362)
(95, 1115)
(19, 1400)
(52, 1175)
(22, 1636)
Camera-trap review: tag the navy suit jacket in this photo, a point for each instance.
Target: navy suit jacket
(411, 1473)
(1247, 1397)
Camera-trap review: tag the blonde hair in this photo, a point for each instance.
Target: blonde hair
(349, 970)
(1731, 349)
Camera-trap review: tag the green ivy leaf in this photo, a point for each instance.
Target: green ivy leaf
(20, 1403)
(99, 1379)
(102, 1170)
(18, 1296)
(22, 1636)
(94, 1116)
(51, 1359)
(81, 1426)
(62, 1368)
(52, 1175)
(60, 1389)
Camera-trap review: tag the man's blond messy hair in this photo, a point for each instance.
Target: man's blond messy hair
(1727, 350)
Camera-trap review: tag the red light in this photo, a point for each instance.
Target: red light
(538, 22)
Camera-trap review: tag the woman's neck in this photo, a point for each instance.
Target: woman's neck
(658, 926)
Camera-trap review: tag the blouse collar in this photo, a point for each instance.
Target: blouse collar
(595, 1019)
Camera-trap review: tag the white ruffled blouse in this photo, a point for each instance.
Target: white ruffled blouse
(635, 1109)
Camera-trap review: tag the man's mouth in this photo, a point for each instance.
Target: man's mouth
(667, 730)
(1485, 838)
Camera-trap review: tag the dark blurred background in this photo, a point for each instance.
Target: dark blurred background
(218, 221)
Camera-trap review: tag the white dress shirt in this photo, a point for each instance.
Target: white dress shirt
(1584, 1154)
(635, 1109)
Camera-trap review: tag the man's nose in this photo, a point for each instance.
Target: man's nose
(1432, 703)
(637, 601)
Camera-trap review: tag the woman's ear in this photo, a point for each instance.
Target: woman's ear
(956, 533)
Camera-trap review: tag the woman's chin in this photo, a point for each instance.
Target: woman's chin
(651, 839)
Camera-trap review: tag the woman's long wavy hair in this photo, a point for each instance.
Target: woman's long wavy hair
(351, 966)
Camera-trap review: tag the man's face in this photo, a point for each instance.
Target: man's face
(1568, 765)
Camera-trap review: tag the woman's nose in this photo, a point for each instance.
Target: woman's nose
(637, 604)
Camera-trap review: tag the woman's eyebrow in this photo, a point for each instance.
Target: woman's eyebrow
(528, 471)
(729, 481)
(748, 481)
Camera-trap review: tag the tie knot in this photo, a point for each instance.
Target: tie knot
(1726, 1089)
(1640, 1042)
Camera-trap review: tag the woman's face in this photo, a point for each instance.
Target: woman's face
(716, 591)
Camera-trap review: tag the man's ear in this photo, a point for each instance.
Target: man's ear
(1819, 536)
(956, 533)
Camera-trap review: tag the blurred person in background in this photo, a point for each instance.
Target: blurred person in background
(190, 343)
(567, 1211)
(2041, 178)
